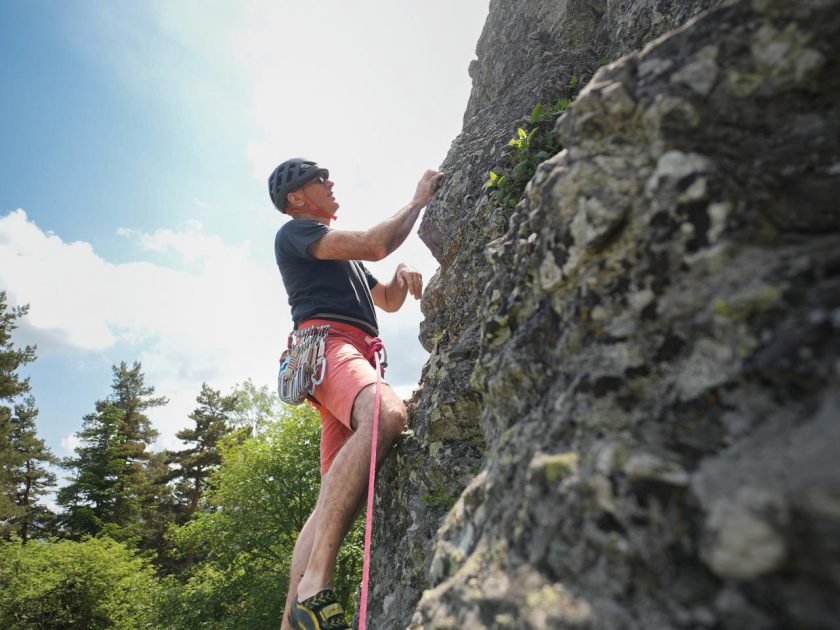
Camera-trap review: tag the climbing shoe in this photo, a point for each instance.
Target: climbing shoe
(320, 612)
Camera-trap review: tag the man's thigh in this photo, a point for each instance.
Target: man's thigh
(391, 405)
(348, 373)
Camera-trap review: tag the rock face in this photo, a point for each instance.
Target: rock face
(631, 413)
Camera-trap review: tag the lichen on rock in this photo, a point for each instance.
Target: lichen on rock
(629, 415)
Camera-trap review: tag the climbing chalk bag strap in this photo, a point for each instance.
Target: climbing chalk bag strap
(303, 365)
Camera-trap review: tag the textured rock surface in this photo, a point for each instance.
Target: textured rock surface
(631, 410)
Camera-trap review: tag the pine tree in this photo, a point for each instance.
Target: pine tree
(8, 507)
(91, 496)
(196, 463)
(110, 487)
(159, 508)
(12, 358)
(131, 394)
(11, 385)
(32, 478)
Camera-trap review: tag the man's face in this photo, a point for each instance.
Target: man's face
(319, 192)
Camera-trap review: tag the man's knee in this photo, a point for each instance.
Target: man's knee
(392, 411)
(393, 418)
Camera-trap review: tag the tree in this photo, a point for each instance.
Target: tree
(9, 509)
(12, 358)
(12, 385)
(196, 463)
(111, 481)
(90, 498)
(255, 406)
(33, 480)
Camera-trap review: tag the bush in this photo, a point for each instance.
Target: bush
(95, 583)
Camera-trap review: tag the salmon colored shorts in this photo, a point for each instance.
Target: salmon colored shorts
(348, 373)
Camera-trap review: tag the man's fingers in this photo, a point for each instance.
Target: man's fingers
(417, 286)
(411, 280)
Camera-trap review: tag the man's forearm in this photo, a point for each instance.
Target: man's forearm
(390, 234)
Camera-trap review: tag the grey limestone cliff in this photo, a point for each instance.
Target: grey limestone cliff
(630, 417)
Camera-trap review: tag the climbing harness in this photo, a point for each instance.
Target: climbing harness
(303, 365)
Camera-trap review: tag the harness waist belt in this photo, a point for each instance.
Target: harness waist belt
(365, 325)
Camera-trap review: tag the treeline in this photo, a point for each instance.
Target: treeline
(196, 537)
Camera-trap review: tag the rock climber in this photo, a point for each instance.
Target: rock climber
(328, 284)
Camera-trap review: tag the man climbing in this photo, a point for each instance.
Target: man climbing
(328, 285)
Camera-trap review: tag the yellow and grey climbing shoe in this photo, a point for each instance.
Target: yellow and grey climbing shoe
(320, 612)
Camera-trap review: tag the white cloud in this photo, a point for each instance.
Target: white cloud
(221, 322)
(69, 444)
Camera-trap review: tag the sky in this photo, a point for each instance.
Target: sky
(135, 144)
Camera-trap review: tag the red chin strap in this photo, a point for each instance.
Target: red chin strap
(311, 207)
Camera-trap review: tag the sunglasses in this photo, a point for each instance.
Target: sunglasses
(322, 176)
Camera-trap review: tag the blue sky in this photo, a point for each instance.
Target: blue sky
(137, 138)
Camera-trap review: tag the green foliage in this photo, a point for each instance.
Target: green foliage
(11, 357)
(112, 485)
(31, 478)
(198, 461)
(439, 500)
(258, 501)
(95, 583)
(526, 151)
(12, 385)
(255, 406)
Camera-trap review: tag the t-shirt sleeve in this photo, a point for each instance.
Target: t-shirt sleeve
(297, 235)
(371, 279)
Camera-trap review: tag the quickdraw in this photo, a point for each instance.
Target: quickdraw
(303, 365)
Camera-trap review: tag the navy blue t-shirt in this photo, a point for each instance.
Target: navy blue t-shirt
(324, 289)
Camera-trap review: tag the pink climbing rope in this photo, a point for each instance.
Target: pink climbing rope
(373, 349)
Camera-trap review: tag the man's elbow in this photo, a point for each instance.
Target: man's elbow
(388, 307)
(377, 251)
(375, 248)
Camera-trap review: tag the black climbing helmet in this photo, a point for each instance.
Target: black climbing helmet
(289, 176)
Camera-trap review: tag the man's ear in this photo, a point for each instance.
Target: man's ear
(294, 200)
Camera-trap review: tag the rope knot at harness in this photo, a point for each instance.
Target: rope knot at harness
(376, 347)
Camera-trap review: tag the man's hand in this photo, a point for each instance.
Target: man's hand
(410, 279)
(426, 187)
(389, 296)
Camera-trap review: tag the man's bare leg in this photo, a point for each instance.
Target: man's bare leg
(300, 556)
(345, 485)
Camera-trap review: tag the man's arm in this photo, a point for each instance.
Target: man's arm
(383, 238)
(390, 296)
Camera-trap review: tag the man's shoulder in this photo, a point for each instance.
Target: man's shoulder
(295, 236)
(293, 227)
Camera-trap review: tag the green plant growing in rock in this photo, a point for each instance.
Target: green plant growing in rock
(439, 499)
(526, 151)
